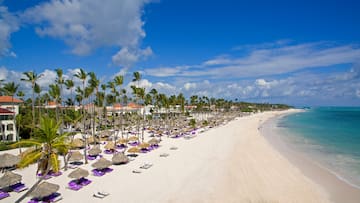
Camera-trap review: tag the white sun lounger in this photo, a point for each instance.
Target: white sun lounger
(146, 165)
(100, 195)
(136, 171)
(164, 155)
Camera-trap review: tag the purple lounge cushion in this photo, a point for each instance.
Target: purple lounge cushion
(4, 195)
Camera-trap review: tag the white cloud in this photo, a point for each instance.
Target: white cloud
(8, 25)
(48, 77)
(189, 85)
(126, 58)
(143, 83)
(87, 25)
(267, 61)
(3, 73)
(166, 71)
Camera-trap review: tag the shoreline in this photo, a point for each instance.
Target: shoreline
(338, 188)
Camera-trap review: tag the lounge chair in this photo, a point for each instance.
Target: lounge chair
(54, 197)
(100, 194)
(164, 155)
(103, 193)
(97, 172)
(18, 187)
(146, 165)
(47, 176)
(52, 173)
(136, 171)
(4, 194)
(84, 181)
(72, 185)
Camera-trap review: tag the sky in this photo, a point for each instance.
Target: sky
(303, 53)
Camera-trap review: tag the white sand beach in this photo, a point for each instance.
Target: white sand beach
(230, 163)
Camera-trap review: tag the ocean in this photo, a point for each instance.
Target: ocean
(330, 136)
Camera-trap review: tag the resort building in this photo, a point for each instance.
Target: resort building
(9, 107)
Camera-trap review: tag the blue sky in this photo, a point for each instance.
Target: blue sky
(295, 52)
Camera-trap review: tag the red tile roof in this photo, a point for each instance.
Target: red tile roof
(5, 111)
(8, 99)
(133, 105)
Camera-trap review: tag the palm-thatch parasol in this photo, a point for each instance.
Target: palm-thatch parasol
(105, 134)
(76, 156)
(122, 141)
(133, 150)
(78, 143)
(120, 158)
(44, 189)
(110, 145)
(101, 163)
(78, 173)
(7, 160)
(133, 138)
(144, 145)
(91, 140)
(94, 151)
(154, 141)
(9, 178)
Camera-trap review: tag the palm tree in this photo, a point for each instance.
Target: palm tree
(118, 81)
(10, 89)
(136, 79)
(54, 92)
(21, 95)
(47, 143)
(37, 90)
(82, 75)
(60, 81)
(94, 85)
(32, 77)
(112, 100)
(103, 87)
(70, 86)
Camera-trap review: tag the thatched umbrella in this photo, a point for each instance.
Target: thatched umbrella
(105, 134)
(44, 189)
(7, 160)
(9, 178)
(78, 143)
(76, 156)
(122, 141)
(78, 173)
(109, 145)
(133, 138)
(144, 145)
(133, 150)
(91, 140)
(120, 158)
(154, 141)
(101, 163)
(94, 151)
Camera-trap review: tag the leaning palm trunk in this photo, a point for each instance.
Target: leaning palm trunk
(35, 185)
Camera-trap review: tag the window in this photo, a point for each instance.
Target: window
(10, 137)
(10, 127)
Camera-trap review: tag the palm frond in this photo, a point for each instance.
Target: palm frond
(30, 158)
(26, 142)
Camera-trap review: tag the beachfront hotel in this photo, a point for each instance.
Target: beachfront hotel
(9, 108)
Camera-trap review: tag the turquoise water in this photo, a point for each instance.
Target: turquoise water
(330, 136)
